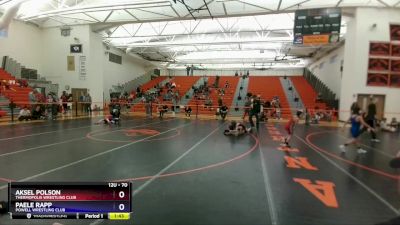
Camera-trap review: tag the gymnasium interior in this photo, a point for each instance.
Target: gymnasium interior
(209, 112)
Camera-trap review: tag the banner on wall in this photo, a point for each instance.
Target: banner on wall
(82, 67)
(394, 32)
(71, 63)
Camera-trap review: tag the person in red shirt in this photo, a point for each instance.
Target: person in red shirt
(290, 128)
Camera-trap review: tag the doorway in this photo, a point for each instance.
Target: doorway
(76, 94)
(363, 101)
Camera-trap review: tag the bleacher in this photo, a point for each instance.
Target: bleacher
(183, 85)
(214, 94)
(149, 85)
(307, 94)
(17, 94)
(269, 87)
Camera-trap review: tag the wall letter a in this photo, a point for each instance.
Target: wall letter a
(323, 190)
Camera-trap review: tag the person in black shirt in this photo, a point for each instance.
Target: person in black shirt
(255, 110)
(188, 111)
(370, 118)
(223, 111)
(162, 110)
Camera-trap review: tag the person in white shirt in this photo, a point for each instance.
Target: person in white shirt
(24, 114)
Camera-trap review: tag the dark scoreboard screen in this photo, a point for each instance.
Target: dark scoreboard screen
(317, 26)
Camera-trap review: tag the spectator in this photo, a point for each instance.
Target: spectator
(223, 111)
(37, 113)
(394, 123)
(226, 84)
(187, 70)
(24, 114)
(32, 96)
(255, 110)
(247, 107)
(371, 117)
(88, 100)
(64, 99)
(162, 110)
(188, 111)
(208, 102)
(219, 101)
(385, 127)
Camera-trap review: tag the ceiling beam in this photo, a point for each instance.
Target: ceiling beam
(338, 3)
(201, 42)
(296, 4)
(207, 33)
(176, 12)
(279, 5)
(383, 3)
(257, 6)
(108, 16)
(95, 19)
(223, 5)
(131, 14)
(397, 3)
(156, 13)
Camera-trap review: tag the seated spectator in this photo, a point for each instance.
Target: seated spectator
(385, 127)
(394, 123)
(188, 111)
(223, 111)
(226, 84)
(173, 85)
(25, 114)
(208, 102)
(162, 110)
(38, 113)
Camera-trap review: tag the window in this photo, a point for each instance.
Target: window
(115, 58)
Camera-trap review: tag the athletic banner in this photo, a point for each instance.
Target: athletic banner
(378, 79)
(395, 50)
(379, 48)
(378, 64)
(395, 80)
(394, 32)
(395, 66)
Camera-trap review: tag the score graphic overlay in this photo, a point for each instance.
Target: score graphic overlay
(317, 26)
(66, 200)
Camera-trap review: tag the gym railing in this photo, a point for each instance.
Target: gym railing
(9, 112)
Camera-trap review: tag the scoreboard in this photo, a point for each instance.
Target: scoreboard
(66, 200)
(317, 26)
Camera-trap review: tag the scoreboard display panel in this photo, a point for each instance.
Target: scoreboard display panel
(66, 200)
(317, 26)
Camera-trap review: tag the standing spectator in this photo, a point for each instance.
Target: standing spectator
(64, 99)
(371, 117)
(223, 111)
(187, 70)
(32, 96)
(247, 107)
(88, 100)
(255, 110)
